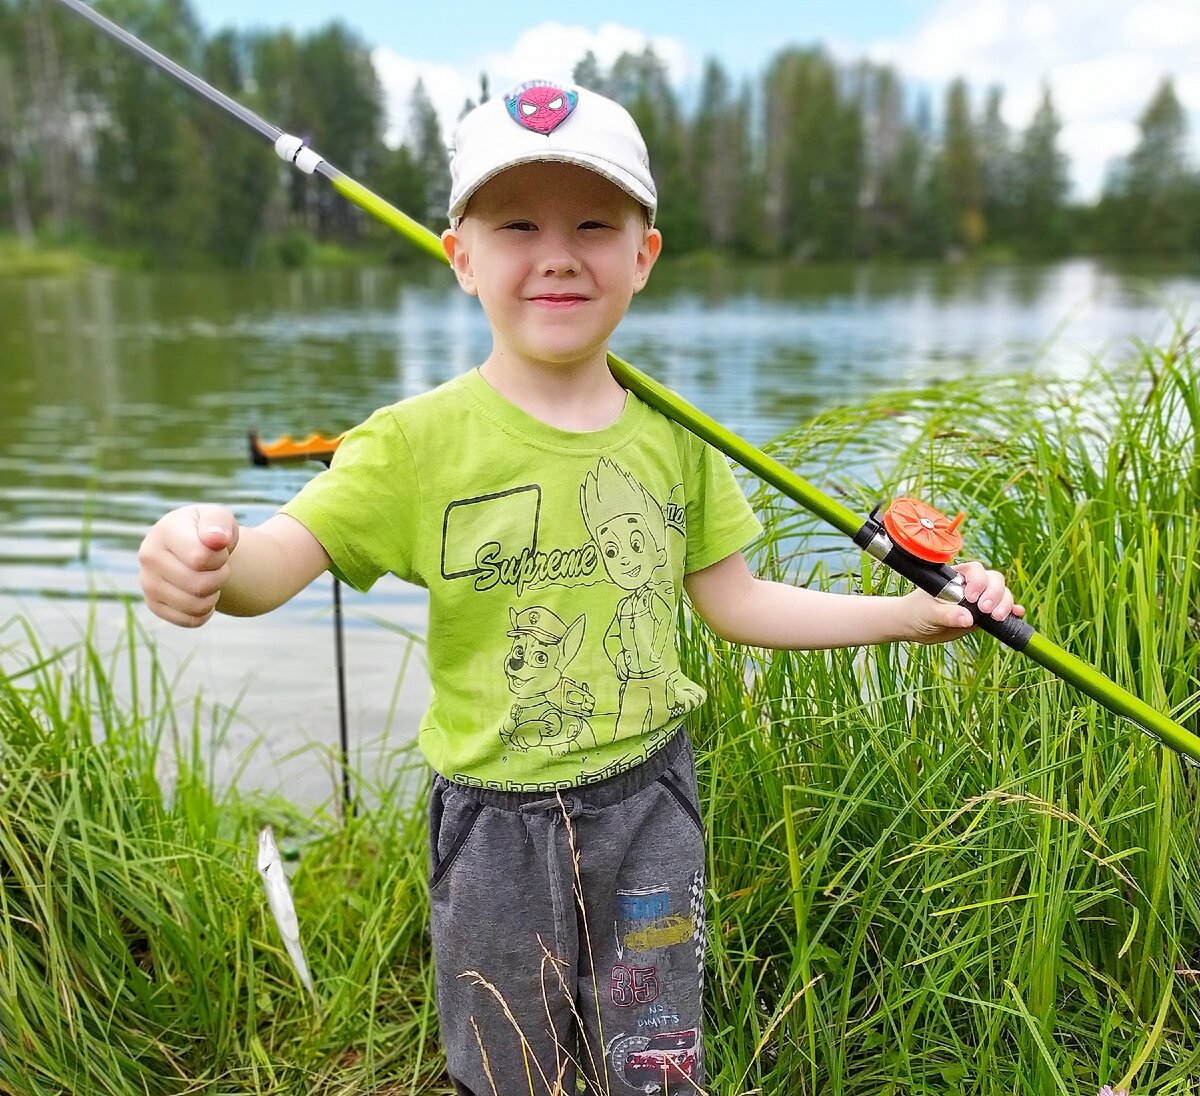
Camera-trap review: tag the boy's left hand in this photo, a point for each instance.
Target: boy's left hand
(931, 620)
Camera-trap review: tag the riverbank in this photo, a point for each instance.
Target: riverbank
(293, 251)
(932, 870)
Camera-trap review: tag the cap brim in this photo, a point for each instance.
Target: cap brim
(606, 168)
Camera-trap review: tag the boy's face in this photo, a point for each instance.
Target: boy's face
(554, 252)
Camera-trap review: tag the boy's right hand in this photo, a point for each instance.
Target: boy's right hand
(184, 563)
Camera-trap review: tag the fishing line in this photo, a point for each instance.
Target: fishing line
(898, 538)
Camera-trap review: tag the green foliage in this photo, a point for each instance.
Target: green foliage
(812, 159)
(138, 952)
(1039, 217)
(1151, 205)
(961, 170)
(425, 170)
(238, 185)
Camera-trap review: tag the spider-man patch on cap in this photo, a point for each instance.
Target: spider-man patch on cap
(541, 108)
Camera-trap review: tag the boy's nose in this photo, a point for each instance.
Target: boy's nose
(559, 263)
(558, 257)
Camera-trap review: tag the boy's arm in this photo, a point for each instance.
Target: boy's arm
(745, 609)
(196, 559)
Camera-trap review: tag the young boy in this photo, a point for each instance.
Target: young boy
(555, 520)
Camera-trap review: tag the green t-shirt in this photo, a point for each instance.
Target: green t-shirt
(554, 562)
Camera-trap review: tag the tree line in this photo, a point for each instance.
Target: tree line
(811, 159)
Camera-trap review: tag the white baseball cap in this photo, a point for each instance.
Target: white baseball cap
(542, 120)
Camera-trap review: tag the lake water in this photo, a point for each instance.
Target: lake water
(124, 395)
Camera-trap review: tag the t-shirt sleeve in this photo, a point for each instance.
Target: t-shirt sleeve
(720, 520)
(365, 508)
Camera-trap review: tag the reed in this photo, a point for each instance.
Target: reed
(932, 870)
(990, 883)
(137, 952)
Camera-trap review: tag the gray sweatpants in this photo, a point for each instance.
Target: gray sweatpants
(568, 933)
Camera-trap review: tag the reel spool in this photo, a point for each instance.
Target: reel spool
(922, 531)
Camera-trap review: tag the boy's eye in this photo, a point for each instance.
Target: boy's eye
(521, 226)
(594, 224)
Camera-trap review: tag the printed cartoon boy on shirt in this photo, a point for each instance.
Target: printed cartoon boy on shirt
(630, 530)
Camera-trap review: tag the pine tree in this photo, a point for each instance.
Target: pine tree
(239, 176)
(1042, 184)
(343, 104)
(718, 156)
(888, 163)
(152, 198)
(961, 173)
(1150, 207)
(589, 74)
(998, 169)
(278, 79)
(15, 206)
(430, 156)
(640, 83)
(814, 157)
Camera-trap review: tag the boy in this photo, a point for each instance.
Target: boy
(555, 520)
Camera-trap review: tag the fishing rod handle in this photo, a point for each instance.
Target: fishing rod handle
(940, 580)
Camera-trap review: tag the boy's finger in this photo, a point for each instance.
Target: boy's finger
(200, 582)
(993, 593)
(974, 579)
(217, 529)
(184, 618)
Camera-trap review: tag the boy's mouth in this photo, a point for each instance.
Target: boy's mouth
(558, 300)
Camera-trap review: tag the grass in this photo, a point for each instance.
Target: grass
(932, 870)
(20, 260)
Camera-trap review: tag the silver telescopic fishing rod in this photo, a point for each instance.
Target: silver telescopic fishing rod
(879, 536)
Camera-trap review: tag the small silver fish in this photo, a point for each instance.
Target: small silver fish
(279, 897)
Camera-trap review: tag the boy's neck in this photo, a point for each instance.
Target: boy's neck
(579, 398)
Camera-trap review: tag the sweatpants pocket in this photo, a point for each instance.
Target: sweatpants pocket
(442, 864)
(686, 805)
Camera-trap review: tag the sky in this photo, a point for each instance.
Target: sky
(1101, 59)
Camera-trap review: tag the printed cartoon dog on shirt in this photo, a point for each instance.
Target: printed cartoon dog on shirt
(552, 710)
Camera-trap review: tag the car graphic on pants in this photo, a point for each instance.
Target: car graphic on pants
(667, 1057)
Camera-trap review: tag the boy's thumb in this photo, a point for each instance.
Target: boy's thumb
(216, 527)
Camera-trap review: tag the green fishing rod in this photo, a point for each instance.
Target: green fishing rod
(910, 537)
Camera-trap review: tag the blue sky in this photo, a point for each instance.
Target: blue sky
(742, 33)
(1102, 59)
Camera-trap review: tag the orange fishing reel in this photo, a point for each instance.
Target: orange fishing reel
(919, 542)
(923, 531)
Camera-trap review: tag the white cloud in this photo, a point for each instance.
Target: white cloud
(1092, 146)
(1102, 60)
(446, 86)
(547, 51)
(1162, 25)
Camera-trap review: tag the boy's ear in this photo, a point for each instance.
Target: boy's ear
(460, 260)
(647, 255)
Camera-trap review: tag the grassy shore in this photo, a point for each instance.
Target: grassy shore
(932, 870)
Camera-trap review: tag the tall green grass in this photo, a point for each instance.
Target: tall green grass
(933, 870)
(992, 885)
(137, 952)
